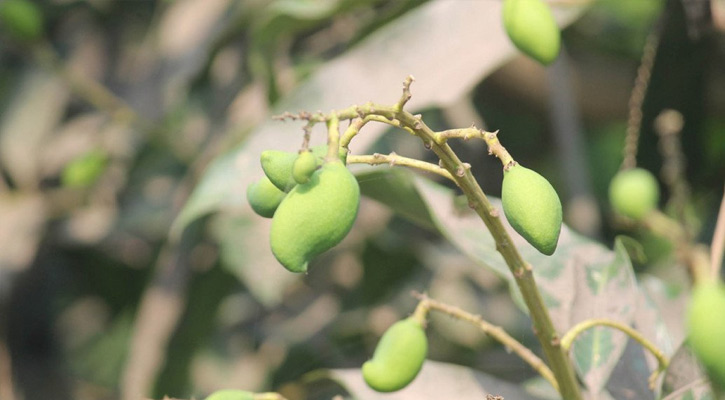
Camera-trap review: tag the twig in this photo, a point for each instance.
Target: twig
(668, 126)
(641, 83)
(496, 332)
(333, 138)
(394, 159)
(406, 93)
(694, 257)
(578, 329)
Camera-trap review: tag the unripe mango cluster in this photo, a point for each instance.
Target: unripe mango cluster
(313, 203)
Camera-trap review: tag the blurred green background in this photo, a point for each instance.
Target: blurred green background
(118, 118)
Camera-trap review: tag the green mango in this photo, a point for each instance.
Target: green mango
(278, 165)
(84, 170)
(264, 197)
(532, 207)
(230, 394)
(315, 216)
(304, 166)
(531, 27)
(634, 193)
(706, 328)
(21, 19)
(398, 357)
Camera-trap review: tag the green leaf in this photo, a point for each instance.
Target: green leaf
(435, 381)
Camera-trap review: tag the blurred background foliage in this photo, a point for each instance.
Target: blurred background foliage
(111, 113)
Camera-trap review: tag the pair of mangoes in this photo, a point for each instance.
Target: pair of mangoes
(398, 357)
(313, 203)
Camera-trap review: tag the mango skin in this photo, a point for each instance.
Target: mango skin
(278, 165)
(264, 197)
(398, 358)
(304, 166)
(532, 207)
(531, 27)
(706, 328)
(315, 216)
(230, 394)
(634, 193)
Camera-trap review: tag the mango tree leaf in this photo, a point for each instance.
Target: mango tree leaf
(671, 300)
(417, 43)
(437, 380)
(629, 378)
(685, 379)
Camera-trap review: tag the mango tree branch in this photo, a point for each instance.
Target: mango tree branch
(333, 138)
(496, 332)
(394, 159)
(520, 269)
(358, 123)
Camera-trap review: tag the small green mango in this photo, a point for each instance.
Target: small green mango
(532, 28)
(304, 166)
(398, 357)
(230, 394)
(84, 170)
(706, 328)
(315, 216)
(21, 18)
(634, 193)
(264, 197)
(532, 207)
(278, 165)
